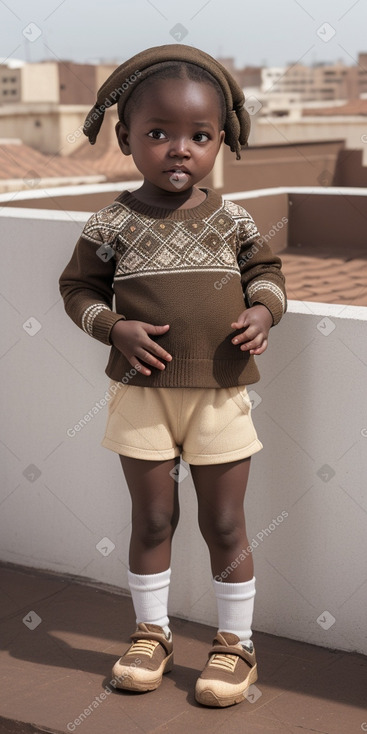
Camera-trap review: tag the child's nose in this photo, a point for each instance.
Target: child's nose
(180, 147)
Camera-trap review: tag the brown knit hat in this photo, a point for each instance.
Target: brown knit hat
(119, 85)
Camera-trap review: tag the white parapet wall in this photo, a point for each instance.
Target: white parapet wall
(64, 502)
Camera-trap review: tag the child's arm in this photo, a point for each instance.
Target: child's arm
(86, 286)
(263, 286)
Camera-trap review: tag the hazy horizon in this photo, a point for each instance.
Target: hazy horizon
(254, 34)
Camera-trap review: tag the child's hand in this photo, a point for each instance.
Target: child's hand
(256, 321)
(132, 340)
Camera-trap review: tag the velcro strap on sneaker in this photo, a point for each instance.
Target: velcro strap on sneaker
(232, 650)
(141, 635)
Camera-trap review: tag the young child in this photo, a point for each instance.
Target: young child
(197, 292)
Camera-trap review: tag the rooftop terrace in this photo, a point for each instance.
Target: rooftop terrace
(56, 676)
(62, 493)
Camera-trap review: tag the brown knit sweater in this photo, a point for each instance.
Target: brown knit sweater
(194, 269)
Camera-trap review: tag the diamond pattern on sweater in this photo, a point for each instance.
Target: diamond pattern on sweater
(150, 245)
(145, 244)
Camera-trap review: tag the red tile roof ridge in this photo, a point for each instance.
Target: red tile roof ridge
(21, 161)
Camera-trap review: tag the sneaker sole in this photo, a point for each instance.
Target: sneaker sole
(128, 682)
(208, 697)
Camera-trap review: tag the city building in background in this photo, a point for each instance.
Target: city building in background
(308, 126)
(57, 82)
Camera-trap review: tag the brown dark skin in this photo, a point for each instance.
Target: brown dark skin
(176, 125)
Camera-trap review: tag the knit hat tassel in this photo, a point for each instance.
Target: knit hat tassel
(232, 133)
(245, 124)
(93, 122)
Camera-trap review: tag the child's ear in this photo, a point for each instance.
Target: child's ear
(221, 138)
(122, 134)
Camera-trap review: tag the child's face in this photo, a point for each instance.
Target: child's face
(174, 133)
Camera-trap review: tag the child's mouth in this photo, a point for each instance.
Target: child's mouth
(178, 178)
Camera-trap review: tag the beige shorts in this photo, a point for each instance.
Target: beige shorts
(204, 425)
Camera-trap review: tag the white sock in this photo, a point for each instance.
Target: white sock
(235, 608)
(150, 597)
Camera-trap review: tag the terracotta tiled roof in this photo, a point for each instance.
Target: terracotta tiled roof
(21, 161)
(104, 156)
(330, 276)
(353, 107)
(110, 162)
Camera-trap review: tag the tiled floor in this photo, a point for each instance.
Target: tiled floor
(53, 670)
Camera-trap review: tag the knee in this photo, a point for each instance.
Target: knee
(224, 531)
(153, 528)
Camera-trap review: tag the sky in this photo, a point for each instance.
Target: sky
(260, 32)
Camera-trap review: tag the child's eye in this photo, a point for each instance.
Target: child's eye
(156, 134)
(203, 137)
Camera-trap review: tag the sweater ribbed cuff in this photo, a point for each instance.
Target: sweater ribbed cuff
(270, 295)
(103, 324)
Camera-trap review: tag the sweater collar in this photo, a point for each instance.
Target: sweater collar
(212, 203)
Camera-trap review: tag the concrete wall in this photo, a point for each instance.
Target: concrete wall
(352, 129)
(269, 208)
(40, 82)
(53, 129)
(50, 128)
(86, 198)
(62, 494)
(328, 216)
(270, 212)
(349, 169)
(338, 227)
(265, 166)
(283, 216)
(77, 83)
(36, 125)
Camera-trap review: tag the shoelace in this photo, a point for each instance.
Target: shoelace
(223, 661)
(143, 647)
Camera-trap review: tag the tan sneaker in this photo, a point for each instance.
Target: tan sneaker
(143, 664)
(228, 674)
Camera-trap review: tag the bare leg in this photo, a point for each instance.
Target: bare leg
(155, 513)
(220, 490)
